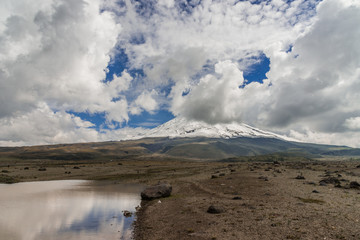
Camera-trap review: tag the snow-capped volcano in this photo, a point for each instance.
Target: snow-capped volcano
(180, 127)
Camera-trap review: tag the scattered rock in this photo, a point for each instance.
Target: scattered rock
(157, 191)
(330, 180)
(315, 191)
(300, 177)
(215, 209)
(127, 213)
(264, 178)
(354, 185)
(237, 198)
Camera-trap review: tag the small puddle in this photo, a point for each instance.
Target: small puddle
(68, 209)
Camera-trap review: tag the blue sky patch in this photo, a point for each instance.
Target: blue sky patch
(257, 72)
(117, 65)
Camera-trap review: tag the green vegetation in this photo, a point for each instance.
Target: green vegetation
(7, 179)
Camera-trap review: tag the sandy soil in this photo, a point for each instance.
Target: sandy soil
(271, 204)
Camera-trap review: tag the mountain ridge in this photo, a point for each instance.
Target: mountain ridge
(187, 140)
(181, 127)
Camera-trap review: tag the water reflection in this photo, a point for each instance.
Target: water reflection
(66, 210)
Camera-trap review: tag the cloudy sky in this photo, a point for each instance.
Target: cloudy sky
(95, 70)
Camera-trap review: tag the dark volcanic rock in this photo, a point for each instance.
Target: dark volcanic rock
(215, 209)
(300, 177)
(237, 198)
(264, 178)
(157, 191)
(330, 180)
(354, 185)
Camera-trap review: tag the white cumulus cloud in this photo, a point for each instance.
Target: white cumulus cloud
(193, 55)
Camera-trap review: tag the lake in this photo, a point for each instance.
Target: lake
(67, 209)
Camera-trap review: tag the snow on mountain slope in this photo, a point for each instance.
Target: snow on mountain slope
(180, 127)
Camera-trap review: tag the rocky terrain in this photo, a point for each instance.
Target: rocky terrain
(316, 200)
(285, 198)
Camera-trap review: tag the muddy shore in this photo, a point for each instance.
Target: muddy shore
(281, 200)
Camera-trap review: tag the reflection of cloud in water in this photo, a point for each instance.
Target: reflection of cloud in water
(64, 210)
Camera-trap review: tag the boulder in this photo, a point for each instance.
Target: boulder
(157, 191)
(330, 180)
(354, 185)
(215, 209)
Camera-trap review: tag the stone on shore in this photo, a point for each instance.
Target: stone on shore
(157, 191)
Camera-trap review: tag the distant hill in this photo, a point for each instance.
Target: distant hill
(195, 148)
(219, 148)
